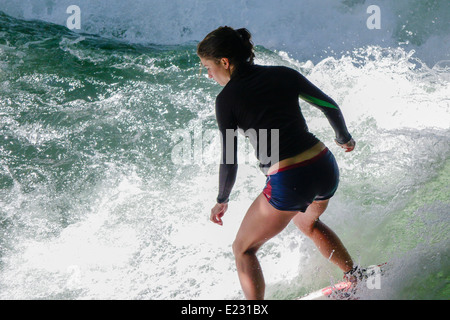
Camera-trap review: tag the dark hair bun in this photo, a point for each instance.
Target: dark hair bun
(225, 42)
(247, 42)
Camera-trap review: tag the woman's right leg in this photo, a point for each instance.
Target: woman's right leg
(324, 238)
(261, 223)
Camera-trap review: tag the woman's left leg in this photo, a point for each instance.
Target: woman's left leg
(261, 222)
(324, 238)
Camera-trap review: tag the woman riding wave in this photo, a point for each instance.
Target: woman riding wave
(303, 176)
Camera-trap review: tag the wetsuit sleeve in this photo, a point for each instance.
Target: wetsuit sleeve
(310, 93)
(228, 162)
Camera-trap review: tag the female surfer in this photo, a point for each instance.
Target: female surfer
(303, 176)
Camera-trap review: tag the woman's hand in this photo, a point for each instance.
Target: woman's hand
(217, 213)
(349, 146)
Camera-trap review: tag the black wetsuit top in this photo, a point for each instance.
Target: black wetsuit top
(266, 97)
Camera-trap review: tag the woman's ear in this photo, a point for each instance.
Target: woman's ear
(225, 63)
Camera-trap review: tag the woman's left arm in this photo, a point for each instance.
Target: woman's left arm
(310, 93)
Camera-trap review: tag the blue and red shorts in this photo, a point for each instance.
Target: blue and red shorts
(295, 187)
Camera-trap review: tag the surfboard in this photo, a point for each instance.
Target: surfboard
(344, 289)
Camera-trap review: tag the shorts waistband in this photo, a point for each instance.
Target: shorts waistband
(303, 163)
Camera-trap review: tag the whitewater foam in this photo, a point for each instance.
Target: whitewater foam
(307, 29)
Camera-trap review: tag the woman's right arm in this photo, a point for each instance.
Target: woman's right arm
(228, 164)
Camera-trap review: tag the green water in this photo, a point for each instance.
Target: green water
(92, 204)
